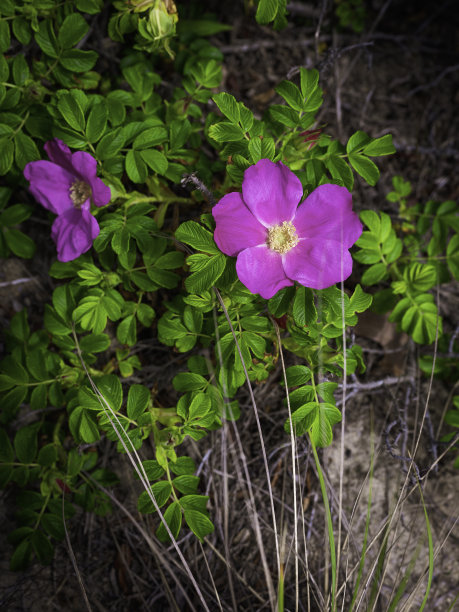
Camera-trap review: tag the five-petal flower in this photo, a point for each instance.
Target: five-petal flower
(278, 242)
(66, 185)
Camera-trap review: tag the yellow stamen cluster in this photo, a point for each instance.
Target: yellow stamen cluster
(282, 238)
(79, 193)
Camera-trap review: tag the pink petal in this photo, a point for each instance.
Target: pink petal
(50, 185)
(327, 213)
(236, 227)
(101, 194)
(74, 232)
(58, 152)
(85, 165)
(318, 263)
(271, 191)
(261, 271)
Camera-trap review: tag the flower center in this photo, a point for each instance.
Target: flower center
(282, 238)
(79, 193)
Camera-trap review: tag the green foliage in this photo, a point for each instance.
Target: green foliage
(413, 257)
(351, 13)
(154, 273)
(272, 11)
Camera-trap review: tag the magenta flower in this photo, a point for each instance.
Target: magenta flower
(278, 242)
(66, 185)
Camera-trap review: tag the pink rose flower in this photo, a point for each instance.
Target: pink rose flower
(278, 242)
(66, 185)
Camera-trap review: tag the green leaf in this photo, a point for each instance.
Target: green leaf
(152, 469)
(261, 148)
(54, 323)
(365, 167)
(97, 122)
(357, 141)
(145, 314)
(360, 301)
(193, 319)
(6, 449)
(13, 374)
(72, 30)
(71, 111)
(36, 364)
(95, 343)
(173, 518)
(285, 115)
(155, 160)
(92, 7)
(21, 72)
(15, 214)
(380, 146)
(47, 455)
(309, 82)
(200, 406)
(194, 502)
(150, 138)
(452, 256)
(110, 388)
(304, 310)
(321, 431)
(339, 170)
(6, 155)
(21, 555)
(187, 485)
(418, 316)
(291, 94)
(161, 492)
(53, 525)
(228, 106)
(82, 426)
(199, 523)
(110, 145)
(22, 30)
(126, 331)
(266, 11)
(20, 244)
(78, 61)
(207, 72)
(46, 39)
(226, 132)
(183, 465)
(372, 221)
(420, 277)
(38, 398)
(196, 236)
(5, 38)
(208, 273)
(187, 381)
(374, 274)
(4, 69)
(303, 418)
(297, 375)
(138, 401)
(42, 547)
(25, 443)
(135, 167)
(12, 400)
(180, 130)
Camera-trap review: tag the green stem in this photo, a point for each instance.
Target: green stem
(42, 511)
(331, 537)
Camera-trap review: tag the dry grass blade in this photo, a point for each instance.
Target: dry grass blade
(138, 467)
(255, 521)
